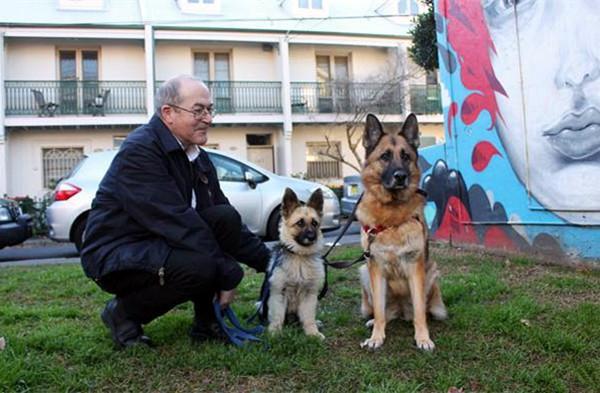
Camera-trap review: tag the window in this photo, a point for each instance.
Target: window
(319, 166)
(227, 170)
(214, 68)
(91, 5)
(57, 162)
(334, 92)
(210, 7)
(408, 7)
(79, 76)
(118, 141)
(210, 66)
(314, 4)
(431, 78)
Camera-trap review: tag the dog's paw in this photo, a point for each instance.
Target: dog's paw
(369, 324)
(425, 344)
(439, 312)
(274, 328)
(317, 334)
(372, 343)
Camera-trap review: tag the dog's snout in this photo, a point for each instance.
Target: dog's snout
(400, 177)
(310, 235)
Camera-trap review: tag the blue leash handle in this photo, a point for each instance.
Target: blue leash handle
(236, 333)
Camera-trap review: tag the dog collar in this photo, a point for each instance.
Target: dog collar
(373, 230)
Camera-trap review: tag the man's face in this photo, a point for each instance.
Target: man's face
(189, 128)
(550, 121)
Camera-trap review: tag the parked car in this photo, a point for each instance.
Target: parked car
(255, 192)
(352, 189)
(15, 227)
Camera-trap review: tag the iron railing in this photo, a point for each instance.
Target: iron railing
(346, 97)
(129, 97)
(425, 99)
(74, 97)
(244, 96)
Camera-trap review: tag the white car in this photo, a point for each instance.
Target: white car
(255, 192)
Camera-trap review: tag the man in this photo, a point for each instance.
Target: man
(160, 231)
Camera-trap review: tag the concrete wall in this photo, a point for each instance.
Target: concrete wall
(38, 59)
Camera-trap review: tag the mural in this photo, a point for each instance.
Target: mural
(520, 168)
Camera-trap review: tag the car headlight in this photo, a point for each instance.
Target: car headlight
(5, 214)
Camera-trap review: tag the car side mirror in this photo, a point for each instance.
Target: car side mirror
(250, 180)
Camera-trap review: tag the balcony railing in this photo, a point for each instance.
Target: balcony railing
(74, 97)
(346, 97)
(244, 96)
(425, 99)
(129, 97)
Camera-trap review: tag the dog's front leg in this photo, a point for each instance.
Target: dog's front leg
(416, 282)
(378, 293)
(307, 310)
(277, 307)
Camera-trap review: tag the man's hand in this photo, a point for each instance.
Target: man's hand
(226, 297)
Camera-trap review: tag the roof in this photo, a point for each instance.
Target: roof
(349, 17)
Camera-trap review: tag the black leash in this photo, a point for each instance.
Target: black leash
(341, 264)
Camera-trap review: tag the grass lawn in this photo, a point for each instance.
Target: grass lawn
(514, 326)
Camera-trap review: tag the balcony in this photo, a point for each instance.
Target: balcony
(425, 99)
(91, 98)
(74, 98)
(346, 97)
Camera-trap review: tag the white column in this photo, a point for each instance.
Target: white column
(3, 136)
(403, 63)
(149, 56)
(286, 150)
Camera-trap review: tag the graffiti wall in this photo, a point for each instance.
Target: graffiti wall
(520, 168)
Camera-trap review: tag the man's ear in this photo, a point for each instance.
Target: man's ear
(410, 131)
(166, 112)
(372, 134)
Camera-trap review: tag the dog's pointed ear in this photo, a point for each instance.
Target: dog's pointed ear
(372, 134)
(316, 201)
(410, 131)
(290, 202)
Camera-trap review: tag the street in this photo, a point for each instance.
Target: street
(36, 251)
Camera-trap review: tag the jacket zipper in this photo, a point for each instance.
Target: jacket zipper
(161, 276)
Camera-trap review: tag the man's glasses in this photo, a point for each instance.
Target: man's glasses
(197, 113)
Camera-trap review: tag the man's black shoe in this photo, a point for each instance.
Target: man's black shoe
(207, 331)
(124, 332)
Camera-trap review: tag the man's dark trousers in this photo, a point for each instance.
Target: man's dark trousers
(188, 275)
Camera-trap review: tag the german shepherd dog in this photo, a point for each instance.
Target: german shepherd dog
(399, 279)
(296, 266)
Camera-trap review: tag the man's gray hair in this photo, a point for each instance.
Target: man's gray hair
(168, 92)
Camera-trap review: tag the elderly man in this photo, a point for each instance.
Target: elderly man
(160, 231)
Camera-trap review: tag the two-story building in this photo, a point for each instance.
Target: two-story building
(77, 75)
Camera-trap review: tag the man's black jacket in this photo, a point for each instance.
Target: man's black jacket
(142, 210)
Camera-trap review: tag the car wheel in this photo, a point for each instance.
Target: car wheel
(79, 232)
(273, 225)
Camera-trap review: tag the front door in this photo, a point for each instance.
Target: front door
(261, 156)
(75, 66)
(68, 81)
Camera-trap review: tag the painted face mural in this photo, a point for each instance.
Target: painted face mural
(547, 64)
(521, 94)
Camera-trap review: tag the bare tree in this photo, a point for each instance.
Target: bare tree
(386, 91)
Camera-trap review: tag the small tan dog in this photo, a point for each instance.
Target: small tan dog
(399, 278)
(296, 264)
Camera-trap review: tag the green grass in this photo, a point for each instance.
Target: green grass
(514, 326)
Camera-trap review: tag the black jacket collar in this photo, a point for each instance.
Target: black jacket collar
(165, 136)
